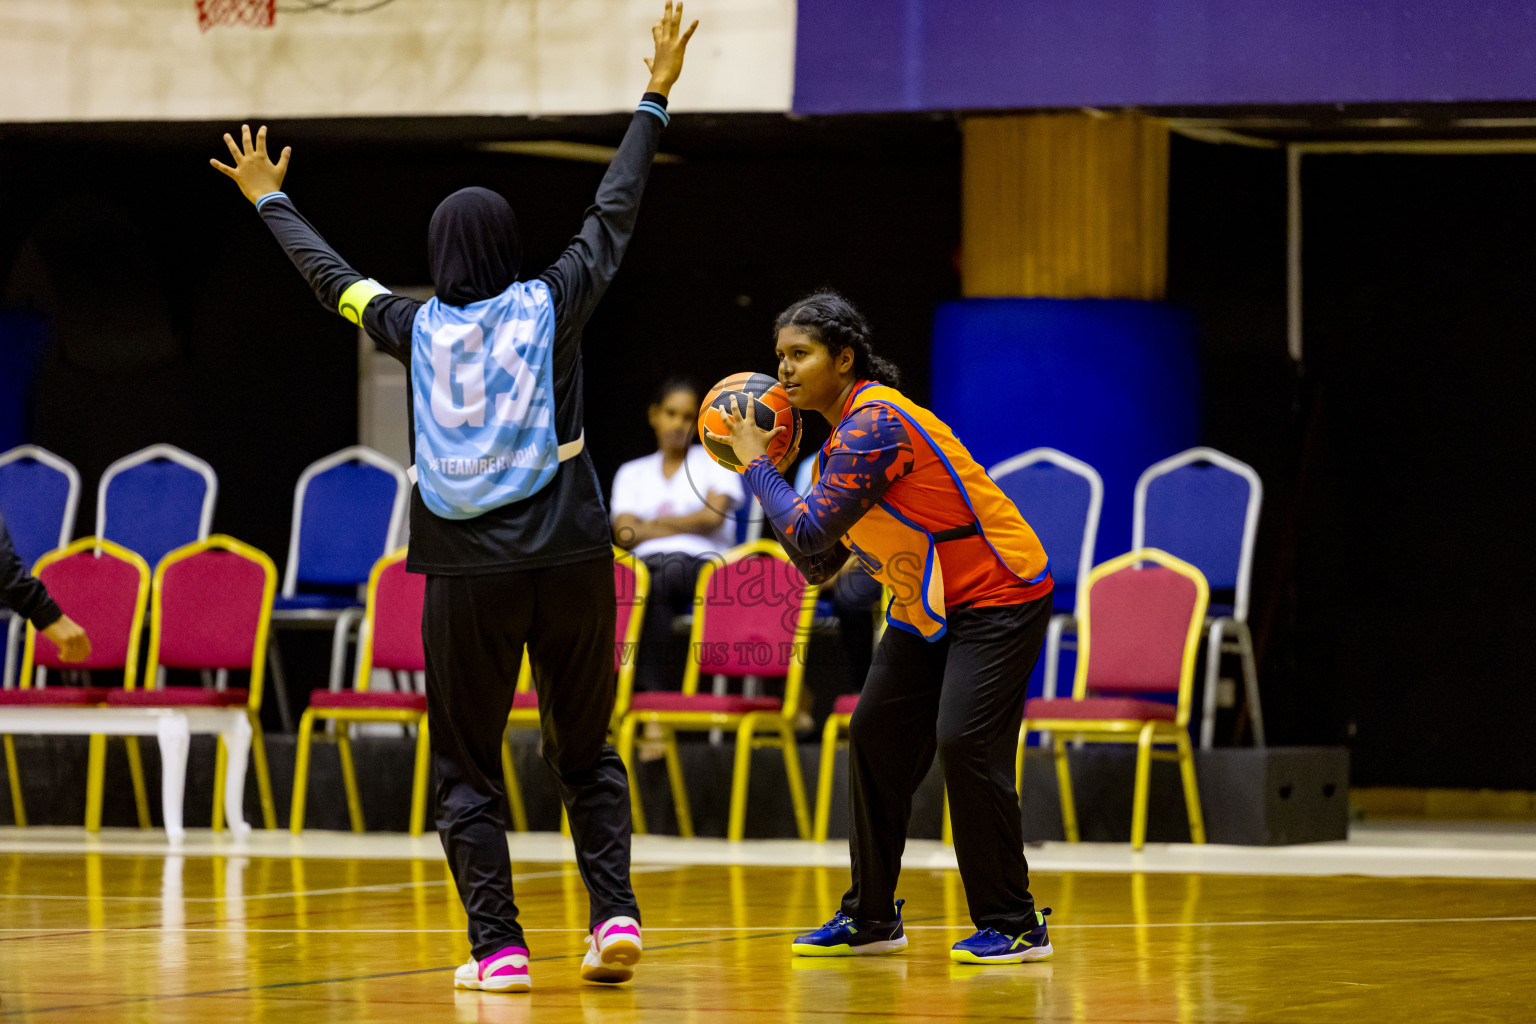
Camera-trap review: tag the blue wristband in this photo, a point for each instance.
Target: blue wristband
(652, 107)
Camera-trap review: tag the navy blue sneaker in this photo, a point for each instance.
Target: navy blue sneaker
(844, 936)
(990, 946)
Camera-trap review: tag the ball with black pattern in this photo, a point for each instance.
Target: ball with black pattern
(773, 410)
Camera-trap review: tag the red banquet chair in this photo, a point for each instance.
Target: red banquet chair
(752, 617)
(632, 586)
(1140, 631)
(390, 639)
(211, 608)
(104, 586)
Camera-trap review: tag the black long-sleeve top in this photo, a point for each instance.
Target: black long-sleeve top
(22, 592)
(566, 521)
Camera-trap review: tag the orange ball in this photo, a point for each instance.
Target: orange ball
(773, 410)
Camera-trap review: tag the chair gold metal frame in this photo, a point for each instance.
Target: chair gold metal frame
(1144, 733)
(95, 772)
(216, 542)
(414, 715)
(749, 726)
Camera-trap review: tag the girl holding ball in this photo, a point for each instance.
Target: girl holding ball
(970, 589)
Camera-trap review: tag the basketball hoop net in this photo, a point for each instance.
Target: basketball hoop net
(255, 13)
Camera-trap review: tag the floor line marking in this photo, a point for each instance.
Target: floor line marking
(381, 887)
(1301, 921)
(527, 876)
(769, 930)
(151, 928)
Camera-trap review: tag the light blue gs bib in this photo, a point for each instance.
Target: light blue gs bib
(482, 383)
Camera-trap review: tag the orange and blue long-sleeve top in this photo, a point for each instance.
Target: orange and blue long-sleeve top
(868, 452)
(875, 455)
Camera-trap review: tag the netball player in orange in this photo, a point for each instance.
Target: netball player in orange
(971, 600)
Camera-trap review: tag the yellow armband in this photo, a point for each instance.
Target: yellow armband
(356, 298)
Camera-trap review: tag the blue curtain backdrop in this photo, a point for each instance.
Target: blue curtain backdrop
(22, 337)
(1113, 383)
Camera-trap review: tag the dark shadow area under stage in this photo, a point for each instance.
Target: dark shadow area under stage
(1250, 797)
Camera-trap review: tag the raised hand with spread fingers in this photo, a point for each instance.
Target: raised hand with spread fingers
(254, 171)
(671, 44)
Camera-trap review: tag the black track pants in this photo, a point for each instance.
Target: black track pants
(961, 696)
(474, 628)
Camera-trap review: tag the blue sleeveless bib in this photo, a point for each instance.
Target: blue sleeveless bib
(482, 384)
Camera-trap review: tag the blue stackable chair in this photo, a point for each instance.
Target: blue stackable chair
(348, 512)
(39, 494)
(1061, 497)
(155, 500)
(1203, 506)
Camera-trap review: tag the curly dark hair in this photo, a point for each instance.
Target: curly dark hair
(830, 319)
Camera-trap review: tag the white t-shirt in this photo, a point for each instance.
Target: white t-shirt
(640, 489)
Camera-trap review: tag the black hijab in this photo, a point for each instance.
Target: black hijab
(473, 246)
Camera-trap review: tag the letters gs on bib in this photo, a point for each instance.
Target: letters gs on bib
(459, 355)
(482, 389)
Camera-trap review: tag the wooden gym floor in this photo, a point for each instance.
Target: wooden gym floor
(200, 935)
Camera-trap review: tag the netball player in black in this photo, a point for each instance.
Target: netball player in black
(507, 519)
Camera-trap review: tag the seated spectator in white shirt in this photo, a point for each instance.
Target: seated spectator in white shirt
(672, 509)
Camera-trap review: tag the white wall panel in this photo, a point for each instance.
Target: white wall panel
(66, 60)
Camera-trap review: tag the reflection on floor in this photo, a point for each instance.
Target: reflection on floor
(337, 927)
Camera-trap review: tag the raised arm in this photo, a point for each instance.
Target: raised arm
(581, 275)
(338, 287)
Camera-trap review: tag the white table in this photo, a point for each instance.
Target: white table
(173, 727)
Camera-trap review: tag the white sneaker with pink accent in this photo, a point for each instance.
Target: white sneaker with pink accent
(613, 949)
(505, 970)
